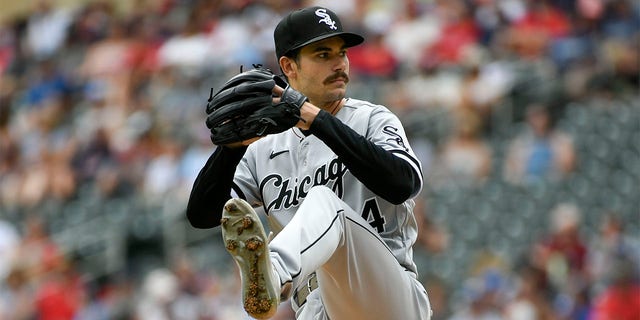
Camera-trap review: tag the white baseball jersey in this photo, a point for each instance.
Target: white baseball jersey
(277, 171)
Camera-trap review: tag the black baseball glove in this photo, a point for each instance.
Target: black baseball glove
(244, 107)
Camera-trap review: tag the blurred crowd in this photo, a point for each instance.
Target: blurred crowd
(104, 103)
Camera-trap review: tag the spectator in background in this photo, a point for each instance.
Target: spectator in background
(106, 68)
(565, 242)
(531, 300)
(612, 246)
(9, 154)
(191, 161)
(159, 289)
(439, 296)
(620, 19)
(47, 29)
(93, 151)
(46, 145)
(375, 63)
(61, 291)
(623, 72)
(9, 242)
(38, 252)
(47, 85)
(7, 49)
(484, 297)
(60, 185)
(540, 151)
(374, 60)
(187, 304)
(432, 236)
(91, 23)
(226, 53)
(465, 158)
(484, 86)
(17, 295)
(621, 300)
(411, 31)
(189, 49)
(541, 23)
(162, 172)
(562, 253)
(543, 17)
(10, 172)
(458, 35)
(144, 29)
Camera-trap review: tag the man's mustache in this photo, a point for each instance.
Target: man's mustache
(337, 75)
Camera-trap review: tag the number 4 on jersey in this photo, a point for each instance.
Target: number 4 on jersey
(371, 213)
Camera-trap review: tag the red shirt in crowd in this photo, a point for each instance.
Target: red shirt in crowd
(619, 303)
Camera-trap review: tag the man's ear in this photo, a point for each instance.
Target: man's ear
(288, 67)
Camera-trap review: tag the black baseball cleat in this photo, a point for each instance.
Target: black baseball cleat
(245, 239)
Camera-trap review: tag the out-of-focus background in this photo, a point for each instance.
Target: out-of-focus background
(526, 116)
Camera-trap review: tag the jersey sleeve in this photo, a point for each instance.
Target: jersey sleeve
(386, 130)
(245, 182)
(379, 158)
(212, 188)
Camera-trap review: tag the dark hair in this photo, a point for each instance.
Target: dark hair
(293, 55)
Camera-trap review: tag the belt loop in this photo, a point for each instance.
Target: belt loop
(300, 295)
(312, 283)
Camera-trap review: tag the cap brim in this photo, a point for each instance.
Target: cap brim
(350, 39)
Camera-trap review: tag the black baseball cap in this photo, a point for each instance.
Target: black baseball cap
(304, 26)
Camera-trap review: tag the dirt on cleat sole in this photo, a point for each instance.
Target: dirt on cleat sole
(246, 241)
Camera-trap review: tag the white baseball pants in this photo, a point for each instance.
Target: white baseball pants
(358, 276)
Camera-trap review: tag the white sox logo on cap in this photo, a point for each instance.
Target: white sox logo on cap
(302, 27)
(322, 13)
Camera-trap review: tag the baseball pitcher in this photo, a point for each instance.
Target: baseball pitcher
(335, 175)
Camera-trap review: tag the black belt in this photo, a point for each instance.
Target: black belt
(301, 293)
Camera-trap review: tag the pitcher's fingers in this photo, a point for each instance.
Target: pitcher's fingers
(278, 90)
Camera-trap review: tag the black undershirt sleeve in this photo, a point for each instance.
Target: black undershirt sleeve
(212, 187)
(388, 176)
